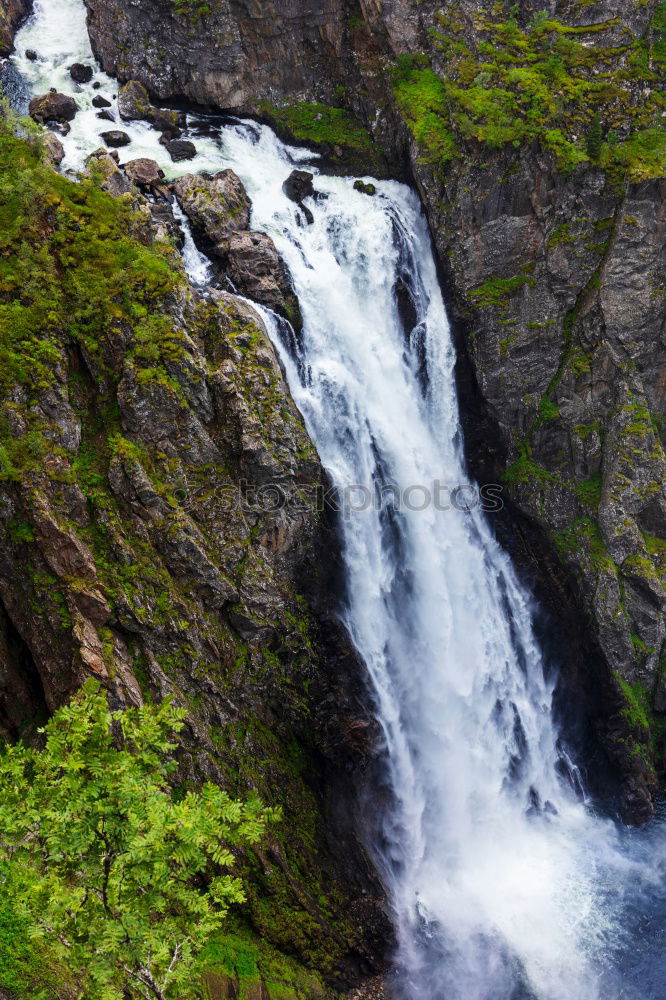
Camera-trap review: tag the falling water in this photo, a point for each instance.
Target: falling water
(502, 881)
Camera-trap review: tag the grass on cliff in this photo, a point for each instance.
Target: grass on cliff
(545, 82)
(75, 267)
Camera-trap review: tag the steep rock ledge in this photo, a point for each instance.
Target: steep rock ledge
(163, 531)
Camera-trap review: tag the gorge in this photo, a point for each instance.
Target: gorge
(494, 742)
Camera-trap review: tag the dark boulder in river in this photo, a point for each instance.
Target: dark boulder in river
(116, 138)
(53, 107)
(81, 73)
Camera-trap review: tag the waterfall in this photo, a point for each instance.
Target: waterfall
(503, 882)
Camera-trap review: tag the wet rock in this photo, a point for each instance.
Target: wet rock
(163, 223)
(180, 149)
(100, 102)
(365, 188)
(134, 105)
(55, 151)
(217, 206)
(64, 128)
(257, 271)
(134, 101)
(298, 185)
(31, 55)
(144, 172)
(96, 85)
(53, 107)
(116, 138)
(105, 116)
(81, 73)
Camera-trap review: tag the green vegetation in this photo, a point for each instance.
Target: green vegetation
(100, 855)
(527, 472)
(192, 10)
(589, 491)
(320, 124)
(545, 82)
(495, 291)
(74, 266)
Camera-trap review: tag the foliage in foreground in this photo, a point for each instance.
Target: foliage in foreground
(106, 866)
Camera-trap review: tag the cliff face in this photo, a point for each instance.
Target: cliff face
(534, 133)
(12, 12)
(162, 530)
(252, 50)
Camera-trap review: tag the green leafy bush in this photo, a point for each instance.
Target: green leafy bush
(118, 876)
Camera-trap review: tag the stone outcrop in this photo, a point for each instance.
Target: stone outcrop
(234, 55)
(554, 276)
(257, 271)
(219, 211)
(217, 206)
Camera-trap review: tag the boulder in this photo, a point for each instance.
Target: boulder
(116, 138)
(217, 206)
(133, 101)
(31, 55)
(257, 271)
(81, 73)
(104, 166)
(180, 149)
(100, 102)
(55, 151)
(364, 188)
(53, 107)
(134, 105)
(298, 185)
(144, 172)
(105, 116)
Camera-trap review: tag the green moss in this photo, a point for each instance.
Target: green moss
(525, 471)
(589, 491)
(637, 704)
(249, 961)
(548, 410)
(321, 124)
(495, 291)
(547, 82)
(583, 536)
(561, 234)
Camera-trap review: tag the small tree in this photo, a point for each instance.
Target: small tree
(100, 855)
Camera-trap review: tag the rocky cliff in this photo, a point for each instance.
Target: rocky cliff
(12, 12)
(534, 132)
(163, 529)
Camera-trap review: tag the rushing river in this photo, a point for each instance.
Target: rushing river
(504, 882)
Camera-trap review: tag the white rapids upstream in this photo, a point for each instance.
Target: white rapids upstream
(503, 882)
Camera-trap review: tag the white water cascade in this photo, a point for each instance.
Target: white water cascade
(503, 883)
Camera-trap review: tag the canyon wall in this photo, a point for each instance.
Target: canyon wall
(534, 133)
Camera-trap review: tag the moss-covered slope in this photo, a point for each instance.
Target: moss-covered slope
(160, 530)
